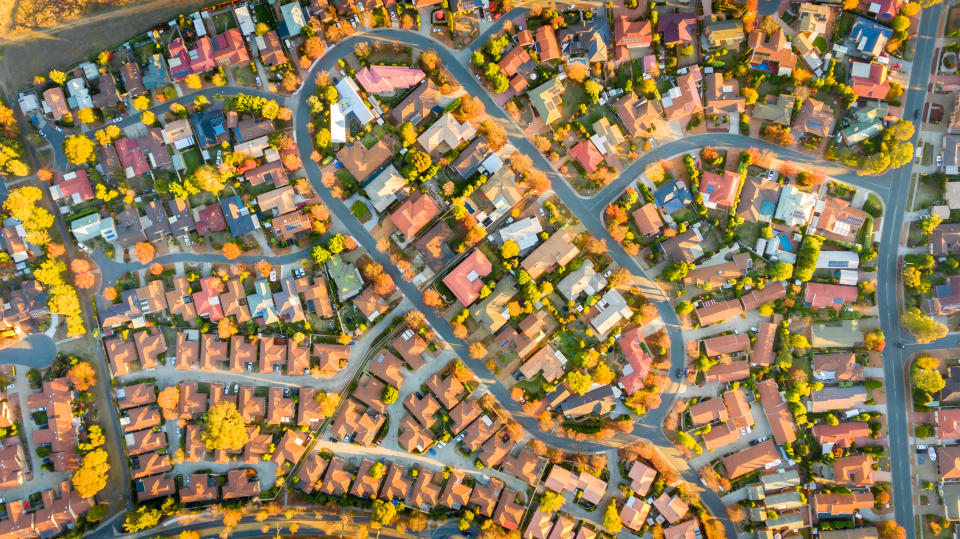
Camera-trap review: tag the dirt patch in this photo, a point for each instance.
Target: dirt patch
(24, 54)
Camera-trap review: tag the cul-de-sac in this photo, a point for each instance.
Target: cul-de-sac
(484, 269)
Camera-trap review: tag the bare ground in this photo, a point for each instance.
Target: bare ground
(26, 54)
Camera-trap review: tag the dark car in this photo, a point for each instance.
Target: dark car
(916, 115)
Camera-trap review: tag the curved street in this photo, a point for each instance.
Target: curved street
(892, 188)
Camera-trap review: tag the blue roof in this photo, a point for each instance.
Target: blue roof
(208, 126)
(944, 290)
(672, 197)
(872, 31)
(239, 218)
(155, 73)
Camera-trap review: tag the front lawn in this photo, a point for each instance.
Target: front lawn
(360, 211)
(573, 96)
(244, 76)
(192, 159)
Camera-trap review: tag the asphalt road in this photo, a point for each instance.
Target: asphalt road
(36, 351)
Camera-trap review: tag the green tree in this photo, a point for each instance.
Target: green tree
(923, 328)
(143, 518)
(807, 257)
(323, 138)
(930, 223)
(684, 307)
(262, 28)
(376, 470)
(223, 427)
(913, 279)
(924, 430)
(779, 271)
(675, 271)
(900, 23)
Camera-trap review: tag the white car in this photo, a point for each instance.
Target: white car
(939, 160)
(258, 82)
(118, 119)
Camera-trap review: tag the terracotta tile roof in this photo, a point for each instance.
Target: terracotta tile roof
(479, 431)
(290, 448)
(396, 484)
(241, 484)
(414, 214)
(843, 434)
(144, 441)
(634, 513)
(257, 447)
(735, 370)
(718, 311)
(331, 356)
(494, 450)
(854, 470)
(422, 409)
(311, 472)
(136, 395)
(200, 488)
(150, 346)
(455, 493)
(153, 487)
(755, 298)
(484, 497)
(825, 503)
(762, 353)
(280, 409)
(411, 348)
(547, 43)
(750, 459)
(251, 408)
(150, 464)
(778, 412)
(466, 279)
(726, 344)
(365, 485)
(447, 390)
(336, 482)
(837, 367)
(144, 417)
(425, 492)
(641, 477)
(414, 438)
(463, 414)
(369, 391)
(242, 351)
(387, 367)
(671, 507)
(525, 465)
(120, 353)
(821, 295)
(648, 220)
(509, 513)
(188, 352)
(557, 251)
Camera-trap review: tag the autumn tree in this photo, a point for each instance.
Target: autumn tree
(226, 328)
(223, 427)
(495, 134)
(432, 298)
(231, 250)
(143, 517)
(91, 477)
(168, 399)
(82, 376)
(478, 350)
(78, 149)
(923, 327)
(144, 252)
(470, 107)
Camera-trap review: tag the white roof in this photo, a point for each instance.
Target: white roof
(524, 232)
(246, 22)
(383, 188)
(838, 260)
(338, 124)
(351, 103)
(28, 102)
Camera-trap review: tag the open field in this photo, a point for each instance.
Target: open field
(25, 53)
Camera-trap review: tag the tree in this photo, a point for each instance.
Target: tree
(495, 134)
(208, 178)
(57, 77)
(223, 427)
(82, 376)
(593, 89)
(143, 518)
(147, 118)
(193, 81)
(389, 394)
(231, 250)
(924, 430)
(675, 271)
(91, 477)
(226, 328)
(319, 254)
(684, 308)
(470, 107)
(769, 25)
(86, 115)
(780, 271)
(900, 23)
(930, 223)
(144, 252)
(550, 502)
(579, 382)
(408, 133)
(336, 244)
(577, 71)
(750, 95)
(431, 298)
(78, 149)
(611, 518)
(430, 61)
(913, 279)
(874, 340)
(889, 529)
(510, 249)
(478, 350)
(923, 328)
(384, 514)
